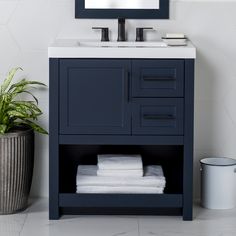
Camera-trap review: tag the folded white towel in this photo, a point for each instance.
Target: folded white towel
(119, 189)
(153, 177)
(175, 35)
(120, 173)
(119, 162)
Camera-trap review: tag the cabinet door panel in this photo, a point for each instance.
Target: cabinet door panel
(94, 96)
(157, 78)
(157, 116)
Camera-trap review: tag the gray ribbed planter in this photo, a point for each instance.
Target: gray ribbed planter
(16, 170)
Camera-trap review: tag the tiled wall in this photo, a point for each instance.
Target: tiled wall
(27, 27)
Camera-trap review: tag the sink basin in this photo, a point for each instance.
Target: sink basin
(128, 44)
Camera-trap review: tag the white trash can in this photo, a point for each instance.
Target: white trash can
(218, 183)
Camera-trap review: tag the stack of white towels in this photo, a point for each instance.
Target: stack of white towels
(120, 174)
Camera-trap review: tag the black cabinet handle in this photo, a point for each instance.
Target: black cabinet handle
(158, 117)
(163, 78)
(128, 85)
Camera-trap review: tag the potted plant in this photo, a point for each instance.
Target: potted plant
(17, 126)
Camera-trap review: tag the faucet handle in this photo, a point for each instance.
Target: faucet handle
(139, 33)
(105, 33)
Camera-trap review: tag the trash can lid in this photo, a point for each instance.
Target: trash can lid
(218, 161)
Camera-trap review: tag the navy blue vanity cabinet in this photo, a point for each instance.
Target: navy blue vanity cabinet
(121, 106)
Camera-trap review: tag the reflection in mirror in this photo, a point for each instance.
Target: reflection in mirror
(122, 4)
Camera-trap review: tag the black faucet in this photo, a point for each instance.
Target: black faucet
(121, 29)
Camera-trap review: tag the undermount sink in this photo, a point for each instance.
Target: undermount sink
(128, 44)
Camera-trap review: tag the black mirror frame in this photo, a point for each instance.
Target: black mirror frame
(161, 13)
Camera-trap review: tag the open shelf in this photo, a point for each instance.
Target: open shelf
(169, 157)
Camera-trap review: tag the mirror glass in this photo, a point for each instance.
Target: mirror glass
(122, 4)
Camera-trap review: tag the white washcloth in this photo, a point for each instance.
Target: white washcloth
(120, 173)
(153, 177)
(119, 189)
(119, 162)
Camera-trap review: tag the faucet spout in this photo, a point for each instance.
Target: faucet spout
(121, 29)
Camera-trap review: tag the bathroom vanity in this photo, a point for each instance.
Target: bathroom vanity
(114, 99)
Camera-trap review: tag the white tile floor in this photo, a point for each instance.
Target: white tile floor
(34, 222)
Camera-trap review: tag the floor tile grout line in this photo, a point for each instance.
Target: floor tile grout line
(23, 224)
(138, 226)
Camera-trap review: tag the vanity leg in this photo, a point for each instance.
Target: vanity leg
(54, 212)
(188, 182)
(188, 141)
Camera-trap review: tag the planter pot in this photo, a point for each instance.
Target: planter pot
(16, 169)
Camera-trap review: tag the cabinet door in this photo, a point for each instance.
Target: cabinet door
(158, 116)
(94, 96)
(158, 78)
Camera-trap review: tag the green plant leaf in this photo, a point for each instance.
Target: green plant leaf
(28, 105)
(25, 82)
(35, 127)
(17, 114)
(20, 111)
(3, 128)
(9, 78)
(36, 100)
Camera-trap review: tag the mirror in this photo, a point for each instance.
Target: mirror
(130, 9)
(122, 4)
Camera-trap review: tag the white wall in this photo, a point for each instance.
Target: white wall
(27, 27)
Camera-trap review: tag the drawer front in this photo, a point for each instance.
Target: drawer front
(157, 116)
(157, 78)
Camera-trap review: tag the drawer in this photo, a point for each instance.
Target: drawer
(158, 78)
(157, 116)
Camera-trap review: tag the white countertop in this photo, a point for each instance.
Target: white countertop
(69, 48)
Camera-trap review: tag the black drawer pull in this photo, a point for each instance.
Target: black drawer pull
(163, 78)
(158, 117)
